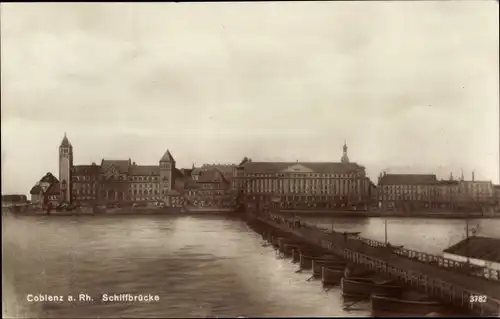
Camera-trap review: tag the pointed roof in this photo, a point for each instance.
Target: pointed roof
(65, 142)
(167, 157)
(49, 178)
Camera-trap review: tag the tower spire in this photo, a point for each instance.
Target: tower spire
(345, 158)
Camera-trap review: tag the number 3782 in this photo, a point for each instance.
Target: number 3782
(477, 299)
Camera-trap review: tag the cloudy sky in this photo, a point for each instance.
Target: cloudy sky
(412, 86)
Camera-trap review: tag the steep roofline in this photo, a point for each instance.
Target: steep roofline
(167, 157)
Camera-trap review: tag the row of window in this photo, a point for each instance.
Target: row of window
(119, 178)
(111, 193)
(85, 186)
(305, 191)
(306, 198)
(306, 175)
(204, 193)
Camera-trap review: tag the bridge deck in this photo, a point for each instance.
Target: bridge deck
(477, 284)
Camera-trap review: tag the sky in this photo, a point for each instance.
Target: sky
(412, 86)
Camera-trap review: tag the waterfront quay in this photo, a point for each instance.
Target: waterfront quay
(441, 279)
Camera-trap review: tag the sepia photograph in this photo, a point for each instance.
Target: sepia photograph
(250, 159)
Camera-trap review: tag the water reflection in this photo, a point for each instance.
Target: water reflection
(203, 266)
(431, 235)
(198, 266)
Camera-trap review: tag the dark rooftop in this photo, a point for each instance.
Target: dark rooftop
(36, 190)
(407, 179)
(121, 165)
(478, 247)
(54, 189)
(86, 170)
(316, 167)
(144, 170)
(49, 178)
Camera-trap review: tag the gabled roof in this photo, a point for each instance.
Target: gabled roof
(121, 165)
(224, 168)
(86, 170)
(317, 167)
(177, 174)
(244, 161)
(49, 178)
(186, 172)
(191, 184)
(478, 247)
(54, 189)
(144, 170)
(196, 171)
(35, 190)
(407, 179)
(167, 157)
(210, 176)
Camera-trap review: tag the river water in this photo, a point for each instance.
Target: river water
(197, 266)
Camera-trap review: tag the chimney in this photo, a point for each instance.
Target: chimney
(472, 175)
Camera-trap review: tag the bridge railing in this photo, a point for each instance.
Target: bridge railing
(484, 272)
(437, 288)
(434, 287)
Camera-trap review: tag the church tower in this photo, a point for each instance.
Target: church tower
(345, 158)
(65, 165)
(167, 166)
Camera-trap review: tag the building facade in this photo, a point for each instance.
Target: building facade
(117, 181)
(302, 185)
(405, 192)
(209, 187)
(409, 192)
(38, 190)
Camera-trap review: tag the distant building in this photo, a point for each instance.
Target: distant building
(302, 185)
(496, 189)
(13, 199)
(445, 194)
(481, 192)
(116, 181)
(479, 251)
(405, 192)
(209, 187)
(409, 192)
(38, 190)
(54, 195)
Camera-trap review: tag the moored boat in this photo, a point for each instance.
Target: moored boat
(331, 276)
(364, 287)
(306, 261)
(352, 271)
(381, 304)
(288, 248)
(317, 266)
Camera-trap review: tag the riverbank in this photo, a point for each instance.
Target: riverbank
(126, 211)
(381, 214)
